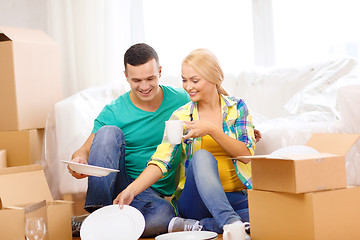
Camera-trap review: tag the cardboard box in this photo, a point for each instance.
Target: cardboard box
(19, 214)
(30, 78)
(78, 200)
(25, 185)
(305, 173)
(22, 147)
(3, 161)
(324, 215)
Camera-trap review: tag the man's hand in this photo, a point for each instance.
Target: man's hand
(125, 197)
(76, 174)
(257, 134)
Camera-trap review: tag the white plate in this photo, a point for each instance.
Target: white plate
(293, 150)
(189, 235)
(89, 169)
(113, 223)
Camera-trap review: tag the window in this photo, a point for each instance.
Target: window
(174, 28)
(286, 32)
(310, 30)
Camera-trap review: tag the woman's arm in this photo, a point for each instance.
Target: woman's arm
(151, 174)
(234, 147)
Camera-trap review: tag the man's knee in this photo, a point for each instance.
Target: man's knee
(109, 131)
(109, 135)
(157, 218)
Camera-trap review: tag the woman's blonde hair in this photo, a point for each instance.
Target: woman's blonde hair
(205, 63)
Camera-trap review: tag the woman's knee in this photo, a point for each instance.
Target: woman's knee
(202, 157)
(204, 165)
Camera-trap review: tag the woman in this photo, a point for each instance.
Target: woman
(212, 186)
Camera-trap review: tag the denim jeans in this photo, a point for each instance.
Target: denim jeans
(203, 197)
(108, 150)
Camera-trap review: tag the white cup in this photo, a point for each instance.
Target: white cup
(234, 231)
(174, 131)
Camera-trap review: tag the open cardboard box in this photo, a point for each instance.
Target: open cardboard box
(30, 77)
(24, 186)
(17, 215)
(322, 215)
(305, 173)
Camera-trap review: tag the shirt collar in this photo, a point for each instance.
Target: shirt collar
(227, 106)
(225, 101)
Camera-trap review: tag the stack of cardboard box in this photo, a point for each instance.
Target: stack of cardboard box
(305, 197)
(30, 84)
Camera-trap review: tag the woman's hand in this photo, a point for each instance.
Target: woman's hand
(198, 128)
(125, 197)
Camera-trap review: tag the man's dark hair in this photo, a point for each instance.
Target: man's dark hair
(139, 54)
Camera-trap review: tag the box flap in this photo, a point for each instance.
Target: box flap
(3, 37)
(3, 159)
(336, 143)
(22, 185)
(250, 157)
(288, 157)
(304, 157)
(25, 168)
(24, 35)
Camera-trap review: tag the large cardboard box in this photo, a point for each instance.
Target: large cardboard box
(22, 147)
(30, 80)
(305, 173)
(323, 215)
(25, 185)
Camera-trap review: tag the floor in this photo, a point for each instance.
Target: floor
(219, 238)
(79, 200)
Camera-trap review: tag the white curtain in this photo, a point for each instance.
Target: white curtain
(93, 36)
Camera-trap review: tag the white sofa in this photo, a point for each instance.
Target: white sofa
(288, 104)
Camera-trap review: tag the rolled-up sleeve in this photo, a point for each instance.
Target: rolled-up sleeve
(164, 156)
(245, 127)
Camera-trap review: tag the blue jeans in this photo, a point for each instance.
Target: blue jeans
(203, 197)
(108, 150)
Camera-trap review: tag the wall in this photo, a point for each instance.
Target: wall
(24, 13)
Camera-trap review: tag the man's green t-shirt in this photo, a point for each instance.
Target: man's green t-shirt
(143, 131)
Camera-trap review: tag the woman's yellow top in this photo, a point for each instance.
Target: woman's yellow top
(228, 177)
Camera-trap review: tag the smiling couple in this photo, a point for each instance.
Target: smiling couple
(207, 188)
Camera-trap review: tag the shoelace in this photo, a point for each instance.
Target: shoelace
(76, 226)
(247, 225)
(193, 227)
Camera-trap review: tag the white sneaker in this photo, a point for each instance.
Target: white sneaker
(178, 224)
(235, 231)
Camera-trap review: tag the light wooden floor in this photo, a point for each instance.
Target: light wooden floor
(218, 238)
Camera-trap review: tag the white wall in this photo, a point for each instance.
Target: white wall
(24, 13)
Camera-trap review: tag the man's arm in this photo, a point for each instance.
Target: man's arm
(82, 156)
(257, 134)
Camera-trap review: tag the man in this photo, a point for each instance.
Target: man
(126, 134)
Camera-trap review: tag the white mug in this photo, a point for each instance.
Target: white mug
(174, 131)
(234, 231)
